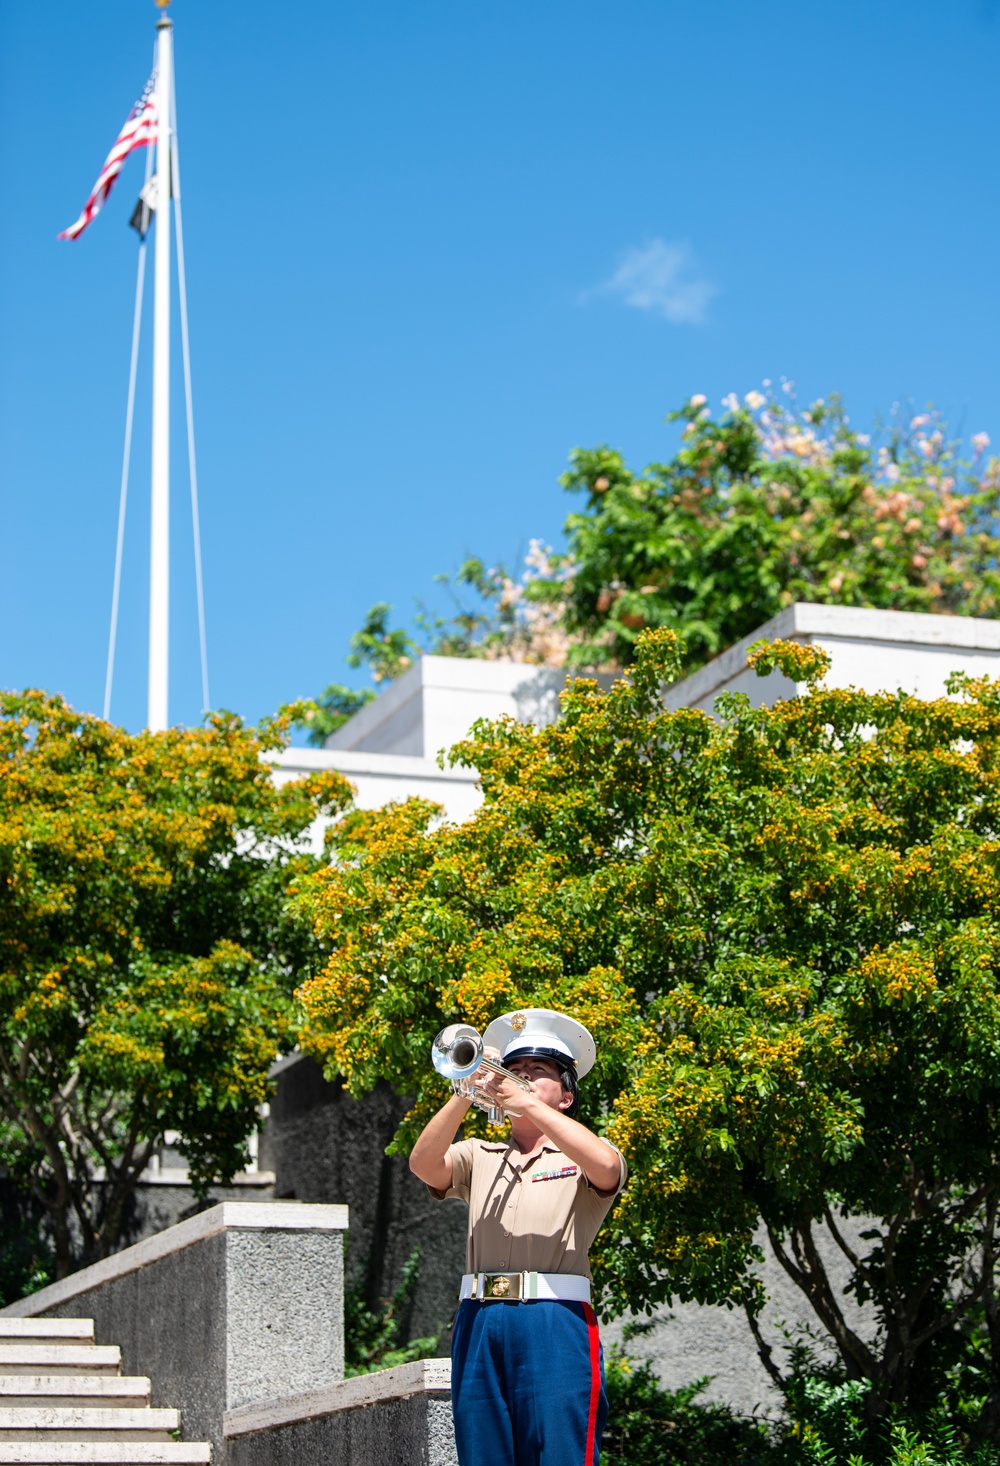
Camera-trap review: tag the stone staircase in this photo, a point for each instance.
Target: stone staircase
(63, 1399)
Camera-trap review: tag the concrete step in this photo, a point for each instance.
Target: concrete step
(18, 1358)
(86, 1423)
(47, 1330)
(65, 1402)
(104, 1453)
(99, 1390)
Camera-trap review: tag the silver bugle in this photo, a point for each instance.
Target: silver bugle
(457, 1054)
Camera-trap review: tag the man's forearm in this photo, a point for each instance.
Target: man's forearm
(429, 1158)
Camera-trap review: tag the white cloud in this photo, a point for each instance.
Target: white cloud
(662, 277)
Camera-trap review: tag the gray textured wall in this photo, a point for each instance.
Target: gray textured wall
(247, 1314)
(157, 1205)
(690, 1341)
(412, 1432)
(323, 1145)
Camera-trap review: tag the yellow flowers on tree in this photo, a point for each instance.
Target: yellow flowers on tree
(783, 927)
(146, 959)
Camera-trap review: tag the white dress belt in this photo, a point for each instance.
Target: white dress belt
(526, 1287)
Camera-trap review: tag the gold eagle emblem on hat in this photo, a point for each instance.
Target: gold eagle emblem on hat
(518, 1022)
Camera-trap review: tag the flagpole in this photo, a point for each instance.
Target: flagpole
(159, 540)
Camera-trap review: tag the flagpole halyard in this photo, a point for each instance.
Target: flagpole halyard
(123, 494)
(189, 407)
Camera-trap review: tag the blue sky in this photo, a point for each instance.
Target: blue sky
(431, 247)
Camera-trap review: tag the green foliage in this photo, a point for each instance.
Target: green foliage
(650, 1426)
(387, 653)
(783, 927)
(827, 1422)
(799, 663)
(824, 1424)
(330, 711)
(26, 1261)
(767, 505)
(761, 506)
(146, 959)
(372, 1336)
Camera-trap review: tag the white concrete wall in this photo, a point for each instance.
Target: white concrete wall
(436, 701)
(872, 650)
(381, 778)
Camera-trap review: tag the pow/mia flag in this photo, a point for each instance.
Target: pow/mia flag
(145, 208)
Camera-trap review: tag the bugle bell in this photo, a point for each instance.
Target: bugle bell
(457, 1054)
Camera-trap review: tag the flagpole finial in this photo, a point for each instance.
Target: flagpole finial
(164, 17)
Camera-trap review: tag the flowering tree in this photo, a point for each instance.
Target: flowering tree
(146, 963)
(771, 505)
(763, 505)
(783, 927)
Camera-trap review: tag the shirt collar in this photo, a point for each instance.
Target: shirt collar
(507, 1145)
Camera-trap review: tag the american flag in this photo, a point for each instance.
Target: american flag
(139, 132)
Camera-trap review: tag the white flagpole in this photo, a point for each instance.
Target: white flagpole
(159, 542)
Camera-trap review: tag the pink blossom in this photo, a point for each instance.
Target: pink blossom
(980, 442)
(731, 403)
(918, 561)
(698, 400)
(755, 401)
(920, 421)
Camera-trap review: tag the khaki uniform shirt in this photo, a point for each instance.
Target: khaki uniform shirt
(540, 1217)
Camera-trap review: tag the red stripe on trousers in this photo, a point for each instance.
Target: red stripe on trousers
(594, 1339)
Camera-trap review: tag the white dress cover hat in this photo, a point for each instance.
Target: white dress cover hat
(537, 1030)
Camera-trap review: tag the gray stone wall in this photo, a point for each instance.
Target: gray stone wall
(393, 1417)
(227, 1309)
(170, 1321)
(410, 1432)
(157, 1205)
(323, 1145)
(691, 1341)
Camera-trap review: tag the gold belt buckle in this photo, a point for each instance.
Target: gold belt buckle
(502, 1286)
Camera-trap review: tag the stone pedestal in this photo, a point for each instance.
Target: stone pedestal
(241, 1303)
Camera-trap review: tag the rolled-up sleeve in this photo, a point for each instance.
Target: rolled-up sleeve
(622, 1172)
(461, 1173)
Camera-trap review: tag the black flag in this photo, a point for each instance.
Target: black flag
(144, 209)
